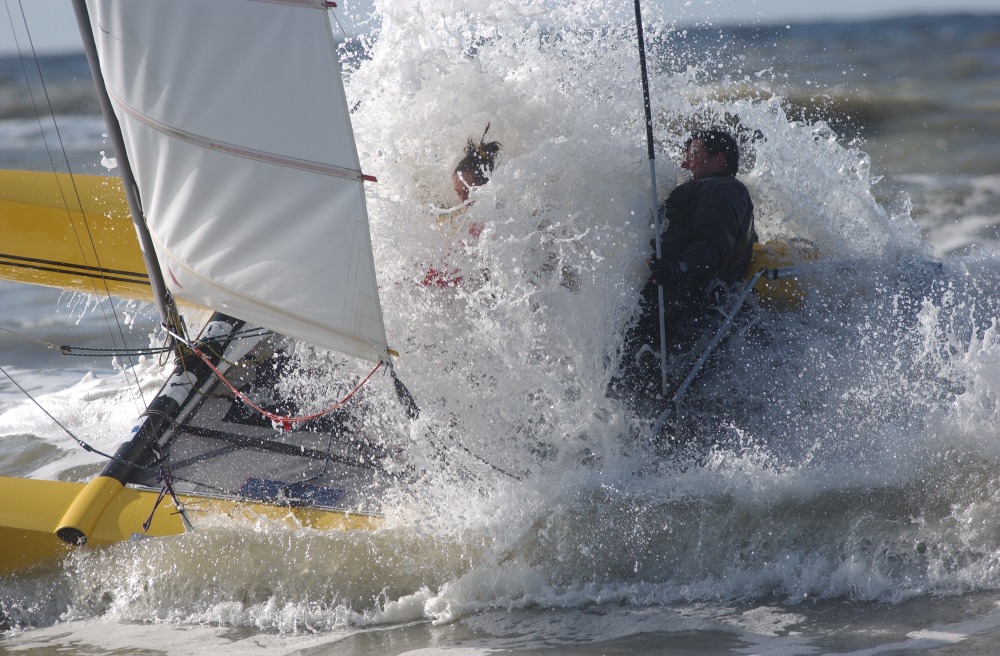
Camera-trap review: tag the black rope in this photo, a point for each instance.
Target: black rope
(87, 351)
(91, 449)
(80, 238)
(446, 451)
(91, 351)
(81, 443)
(409, 404)
(165, 478)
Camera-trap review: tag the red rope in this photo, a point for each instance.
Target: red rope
(286, 422)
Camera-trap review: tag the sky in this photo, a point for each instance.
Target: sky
(53, 28)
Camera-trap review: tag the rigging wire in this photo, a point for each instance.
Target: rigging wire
(337, 19)
(83, 445)
(469, 474)
(284, 421)
(88, 351)
(91, 449)
(91, 351)
(49, 150)
(149, 470)
(164, 476)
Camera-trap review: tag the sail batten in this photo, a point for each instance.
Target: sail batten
(244, 156)
(204, 142)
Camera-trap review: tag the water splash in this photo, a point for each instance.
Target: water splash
(839, 450)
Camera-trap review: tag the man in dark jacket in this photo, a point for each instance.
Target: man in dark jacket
(706, 246)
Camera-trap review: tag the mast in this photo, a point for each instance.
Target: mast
(164, 301)
(652, 184)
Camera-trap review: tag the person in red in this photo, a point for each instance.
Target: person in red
(707, 246)
(472, 170)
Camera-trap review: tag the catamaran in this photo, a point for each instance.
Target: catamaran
(239, 167)
(240, 172)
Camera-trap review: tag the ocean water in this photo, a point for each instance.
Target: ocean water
(833, 488)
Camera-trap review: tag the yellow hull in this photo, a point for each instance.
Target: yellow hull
(70, 231)
(786, 292)
(32, 511)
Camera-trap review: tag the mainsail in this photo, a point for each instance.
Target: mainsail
(239, 163)
(234, 116)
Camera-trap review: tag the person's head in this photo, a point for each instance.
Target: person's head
(472, 170)
(711, 152)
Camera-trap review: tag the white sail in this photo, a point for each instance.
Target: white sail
(240, 140)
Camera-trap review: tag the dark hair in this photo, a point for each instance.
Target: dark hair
(479, 159)
(717, 141)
